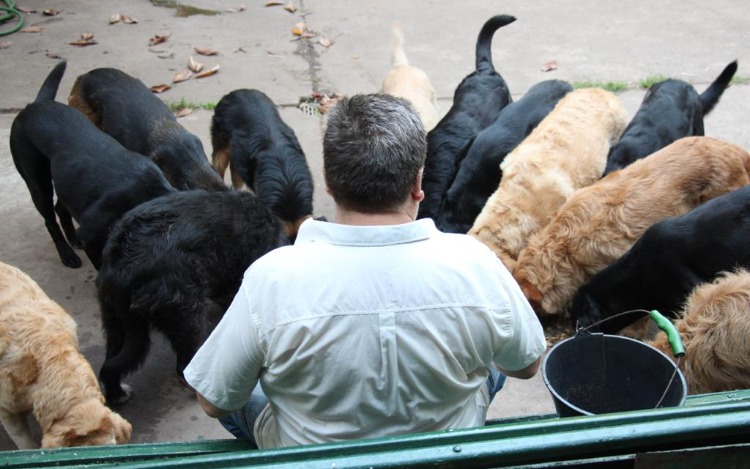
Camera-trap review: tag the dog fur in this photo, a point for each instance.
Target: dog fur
(409, 82)
(263, 152)
(57, 151)
(173, 265)
(566, 151)
(671, 109)
(42, 372)
(714, 326)
(601, 222)
(125, 108)
(671, 258)
(477, 101)
(479, 172)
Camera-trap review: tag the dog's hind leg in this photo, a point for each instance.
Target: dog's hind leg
(128, 343)
(17, 427)
(66, 221)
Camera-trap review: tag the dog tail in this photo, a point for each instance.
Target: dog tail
(484, 41)
(711, 96)
(397, 46)
(48, 91)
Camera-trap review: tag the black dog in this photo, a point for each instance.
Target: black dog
(58, 151)
(671, 258)
(477, 102)
(126, 109)
(479, 172)
(671, 109)
(174, 264)
(261, 150)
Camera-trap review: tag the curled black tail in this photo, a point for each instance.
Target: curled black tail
(484, 41)
(48, 91)
(711, 96)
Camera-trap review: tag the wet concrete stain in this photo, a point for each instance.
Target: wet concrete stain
(183, 10)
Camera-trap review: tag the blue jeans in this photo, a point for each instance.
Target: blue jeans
(240, 423)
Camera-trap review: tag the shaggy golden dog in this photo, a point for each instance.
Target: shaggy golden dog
(41, 370)
(411, 83)
(599, 223)
(566, 151)
(714, 326)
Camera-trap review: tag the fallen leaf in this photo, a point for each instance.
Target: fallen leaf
(6, 44)
(51, 12)
(183, 112)
(203, 51)
(182, 76)
(86, 39)
(26, 10)
(273, 4)
(31, 29)
(158, 39)
(549, 66)
(116, 18)
(52, 55)
(290, 7)
(160, 88)
(325, 41)
(129, 19)
(194, 66)
(207, 73)
(299, 28)
(236, 9)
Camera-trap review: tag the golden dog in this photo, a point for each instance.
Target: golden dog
(566, 151)
(714, 326)
(599, 223)
(41, 370)
(411, 83)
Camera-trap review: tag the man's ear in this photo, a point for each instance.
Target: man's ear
(416, 192)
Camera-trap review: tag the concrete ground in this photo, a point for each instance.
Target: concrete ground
(348, 52)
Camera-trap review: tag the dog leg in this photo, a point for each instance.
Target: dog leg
(18, 429)
(220, 161)
(66, 221)
(127, 346)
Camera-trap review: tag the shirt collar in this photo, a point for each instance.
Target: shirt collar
(381, 235)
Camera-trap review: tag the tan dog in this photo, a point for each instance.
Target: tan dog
(601, 222)
(41, 370)
(714, 326)
(411, 83)
(566, 151)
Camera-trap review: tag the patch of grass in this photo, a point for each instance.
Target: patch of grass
(648, 82)
(737, 80)
(182, 103)
(613, 86)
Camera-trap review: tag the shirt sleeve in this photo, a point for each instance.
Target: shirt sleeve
(226, 368)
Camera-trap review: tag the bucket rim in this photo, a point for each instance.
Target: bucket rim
(679, 375)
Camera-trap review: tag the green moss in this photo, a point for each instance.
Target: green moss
(613, 86)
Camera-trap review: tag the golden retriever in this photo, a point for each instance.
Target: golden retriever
(599, 223)
(714, 326)
(566, 151)
(409, 82)
(41, 370)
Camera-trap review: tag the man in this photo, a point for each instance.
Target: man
(374, 325)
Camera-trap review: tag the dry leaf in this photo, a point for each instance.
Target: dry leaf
(236, 9)
(26, 10)
(211, 71)
(182, 76)
(129, 19)
(325, 41)
(6, 44)
(299, 28)
(86, 39)
(194, 66)
(160, 88)
(183, 112)
(290, 7)
(50, 12)
(203, 51)
(158, 39)
(549, 66)
(273, 4)
(31, 29)
(116, 18)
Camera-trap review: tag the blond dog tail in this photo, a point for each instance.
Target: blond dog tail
(397, 45)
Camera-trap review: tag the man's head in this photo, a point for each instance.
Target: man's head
(373, 151)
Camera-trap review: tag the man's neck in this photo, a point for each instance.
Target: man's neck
(397, 217)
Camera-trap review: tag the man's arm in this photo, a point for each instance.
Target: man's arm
(210, 409)
(525, 373)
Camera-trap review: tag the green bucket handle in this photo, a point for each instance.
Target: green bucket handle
(673, 337)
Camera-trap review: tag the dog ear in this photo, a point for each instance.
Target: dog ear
(123, 429)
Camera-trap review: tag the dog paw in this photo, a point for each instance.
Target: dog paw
(123, 395)
(70, 258)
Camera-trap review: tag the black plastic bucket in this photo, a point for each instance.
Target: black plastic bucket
(597, 373)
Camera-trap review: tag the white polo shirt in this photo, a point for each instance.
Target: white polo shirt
(358, 332)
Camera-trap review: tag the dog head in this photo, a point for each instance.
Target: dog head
(89, 423)
(584, 311)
